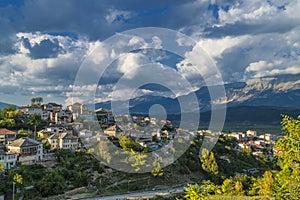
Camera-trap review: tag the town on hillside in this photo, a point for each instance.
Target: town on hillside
(66, 128)
(46, 134)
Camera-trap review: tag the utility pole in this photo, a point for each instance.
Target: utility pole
(13, 193)
(34, 134)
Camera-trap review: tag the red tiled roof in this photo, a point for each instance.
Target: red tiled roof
(4, 131)
(259, 147)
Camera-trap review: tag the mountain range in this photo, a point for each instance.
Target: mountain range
(277, 91)
(256, 103)
(3, 105)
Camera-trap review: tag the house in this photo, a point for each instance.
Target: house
(7, 135)
(105, 117)
(251, 133)
(63, 141)
(113, 131)
(8, 160)
(79, 108)
(24, 109)
(54, 141)
(57, 128)
(239, 136)
(45, 115)
(63, 116)
(267, 137)
(244, 145)
(28, 150)
(52, 107)
(35, 109)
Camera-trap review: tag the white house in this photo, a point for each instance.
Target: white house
(251, 133)
(63, 141)
(28, 150)
(8, 160)
(28, 110)
(7, 135)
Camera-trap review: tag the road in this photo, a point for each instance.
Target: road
(137, 195)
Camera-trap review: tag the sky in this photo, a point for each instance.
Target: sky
(44, 44)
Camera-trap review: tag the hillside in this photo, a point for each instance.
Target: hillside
(3, 105)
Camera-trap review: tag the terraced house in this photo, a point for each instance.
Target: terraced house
(7, 135)
(63, 141)
(28, 150)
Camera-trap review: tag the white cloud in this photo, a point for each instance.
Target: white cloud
(215, 47)
(129, 63)
(260, 12)
(46, 75)
(263, 68)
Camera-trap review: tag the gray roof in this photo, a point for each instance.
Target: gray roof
(63, 135)
(24, 142)
(67, 136)
(102, 110)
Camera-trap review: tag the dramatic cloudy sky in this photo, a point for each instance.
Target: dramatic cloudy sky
(44, 43)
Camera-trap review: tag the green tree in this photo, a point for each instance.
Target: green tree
(51, 184)
(209, 163)
(287, 181)
(158, 171)
(211, 188)
(37, 101)
(126, 142)
(228, 186)
(18, 179)
(34, 120)
(11, 118)
(195, 192)
(264, 184)
(33, 101)
(137, 160)
(239, 188)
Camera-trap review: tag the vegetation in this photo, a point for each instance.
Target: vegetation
(13, 119)
(287, 181)
(209, 163)
(284, 184)
(72, 171)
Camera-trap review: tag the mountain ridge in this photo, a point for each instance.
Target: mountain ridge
(280, 91)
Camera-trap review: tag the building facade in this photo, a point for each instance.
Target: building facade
(8, 160)
(28, 150)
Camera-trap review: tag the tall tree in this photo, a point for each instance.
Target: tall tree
(287, 181)
(33, 100)
(209, 163)
(37, 101)
(265, 184)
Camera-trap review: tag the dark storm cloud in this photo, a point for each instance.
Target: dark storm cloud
(45, 49)
(90, 18)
